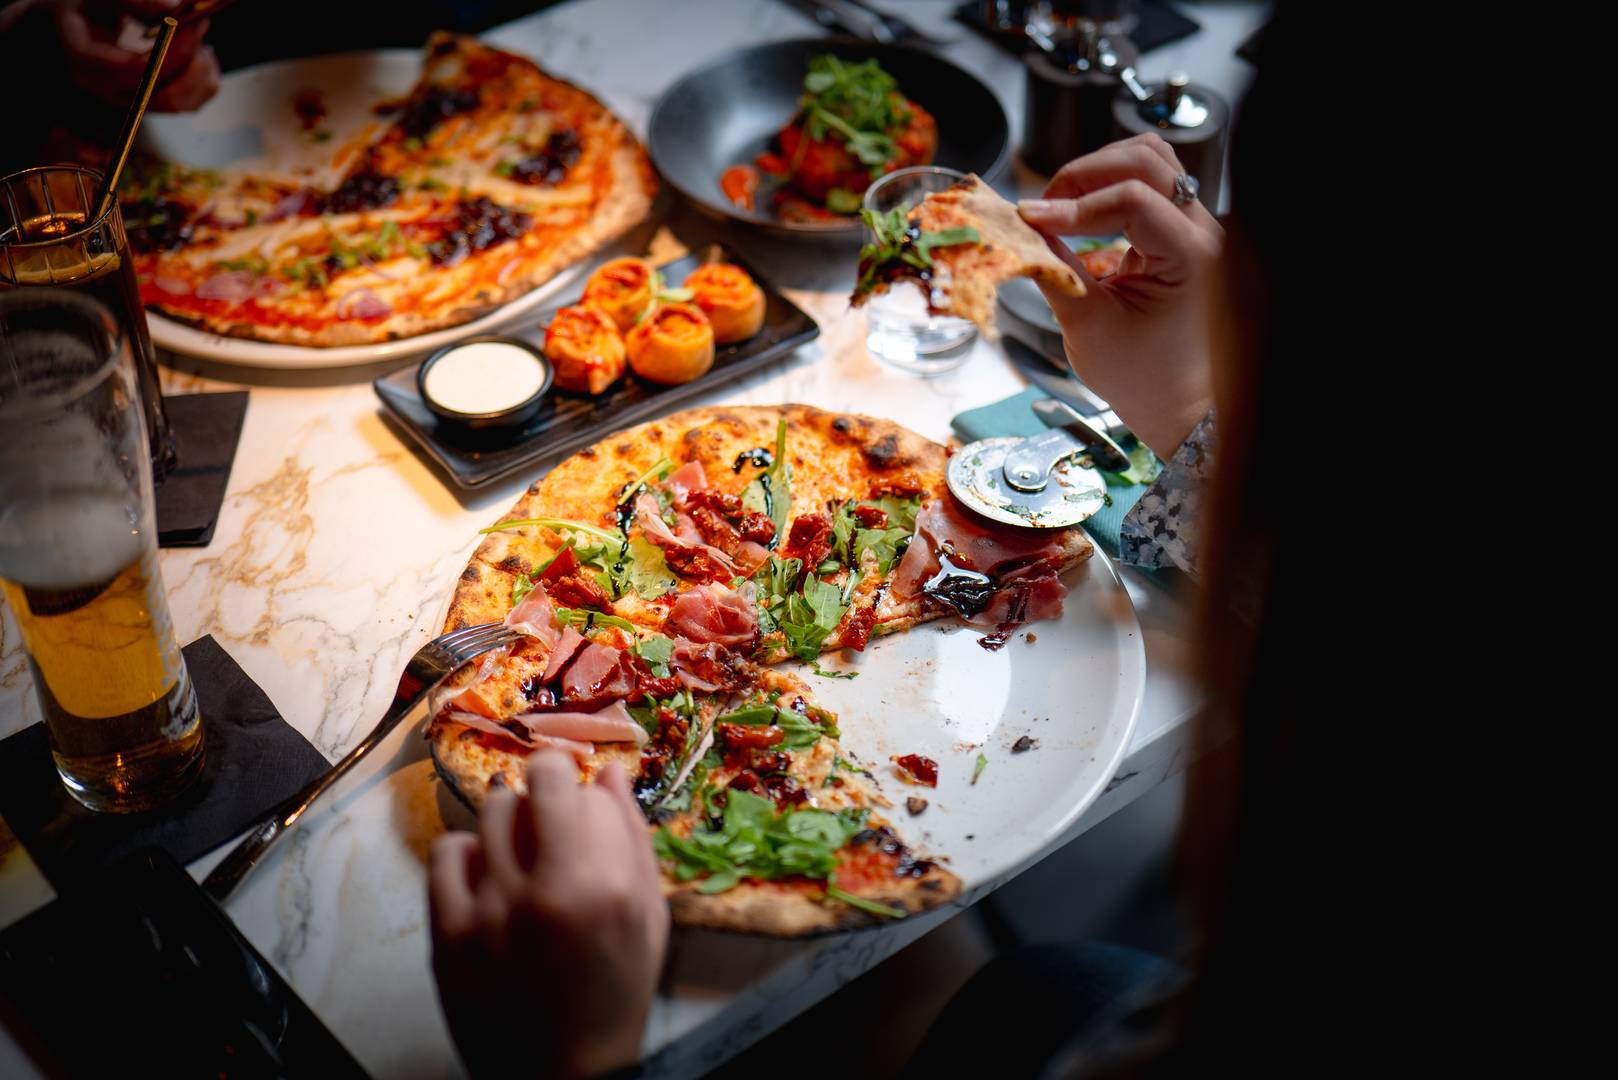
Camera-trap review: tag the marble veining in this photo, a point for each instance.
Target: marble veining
(338, 546)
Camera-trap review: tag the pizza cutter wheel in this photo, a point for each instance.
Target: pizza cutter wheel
(1047, 481)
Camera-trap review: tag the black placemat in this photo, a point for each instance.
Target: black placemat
(254, 760)
(571, 421)
(207, 429)
(1157, 23)
(140, 970)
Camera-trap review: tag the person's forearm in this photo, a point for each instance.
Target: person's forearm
(1163, 421)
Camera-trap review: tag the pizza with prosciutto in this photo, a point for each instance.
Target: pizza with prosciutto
(488, 178)
(658, 576)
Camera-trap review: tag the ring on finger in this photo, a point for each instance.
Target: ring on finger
(1185, 189)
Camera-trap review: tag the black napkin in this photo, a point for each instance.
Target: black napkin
(207, 428)
(1156, 23)
(254, 760)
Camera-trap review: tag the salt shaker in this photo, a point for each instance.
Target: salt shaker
(1190, 117)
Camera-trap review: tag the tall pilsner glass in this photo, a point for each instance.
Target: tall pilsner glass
(78, 554)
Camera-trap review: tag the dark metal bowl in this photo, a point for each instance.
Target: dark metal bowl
(490, 421)
(726, 114)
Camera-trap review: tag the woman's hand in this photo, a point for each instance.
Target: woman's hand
(549, 926)
(1141, 338)
(105, 53)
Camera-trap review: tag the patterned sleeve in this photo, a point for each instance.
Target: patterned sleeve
(1161, 529)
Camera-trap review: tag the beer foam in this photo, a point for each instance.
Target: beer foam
(69, 540)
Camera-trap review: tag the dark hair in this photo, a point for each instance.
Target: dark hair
(1277, 546)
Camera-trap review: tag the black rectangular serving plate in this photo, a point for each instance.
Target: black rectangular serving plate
(569, 421)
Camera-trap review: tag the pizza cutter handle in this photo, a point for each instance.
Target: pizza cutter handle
(1060, 416)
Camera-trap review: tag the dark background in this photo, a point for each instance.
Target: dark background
(253, 31)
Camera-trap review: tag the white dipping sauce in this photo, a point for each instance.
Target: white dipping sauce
(484, 377)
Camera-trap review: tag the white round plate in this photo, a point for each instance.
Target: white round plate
(1076, 689)
(933, 690)
(251, 124)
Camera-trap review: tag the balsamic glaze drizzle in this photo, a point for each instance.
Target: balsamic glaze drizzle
(967, 591)
(758, 456)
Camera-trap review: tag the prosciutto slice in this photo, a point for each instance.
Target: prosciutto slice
(704, 668)
(535, 617)
(599, 674)
(565, 650)
(609, 724)
(1021, 562)
(749, 557)
(686, 531)
(518, 732)
(714, 613)
(992, 550)
(684, 480)
(649, 517)
(1028, 599)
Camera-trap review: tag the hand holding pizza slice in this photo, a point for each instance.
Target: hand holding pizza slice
(958, 245)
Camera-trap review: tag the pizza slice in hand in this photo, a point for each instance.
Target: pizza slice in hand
(958, 245)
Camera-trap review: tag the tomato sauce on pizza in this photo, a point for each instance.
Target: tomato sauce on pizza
(487, 179)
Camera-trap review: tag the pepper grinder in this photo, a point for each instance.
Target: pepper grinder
(1190, 117)
(1069, 92)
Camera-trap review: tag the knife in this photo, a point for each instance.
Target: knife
(1037, 369)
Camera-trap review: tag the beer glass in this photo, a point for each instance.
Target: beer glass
(78, 554)
(50, 236)
(903, 334)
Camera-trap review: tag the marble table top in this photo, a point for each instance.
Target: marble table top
(338, 543)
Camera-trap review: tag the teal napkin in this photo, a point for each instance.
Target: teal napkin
(1015, 416)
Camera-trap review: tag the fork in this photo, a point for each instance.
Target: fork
(900, 31)
(433, 663)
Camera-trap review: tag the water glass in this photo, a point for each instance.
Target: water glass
(903, 333)
(78, 554)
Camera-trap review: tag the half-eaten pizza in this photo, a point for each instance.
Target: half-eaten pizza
(659, 577)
